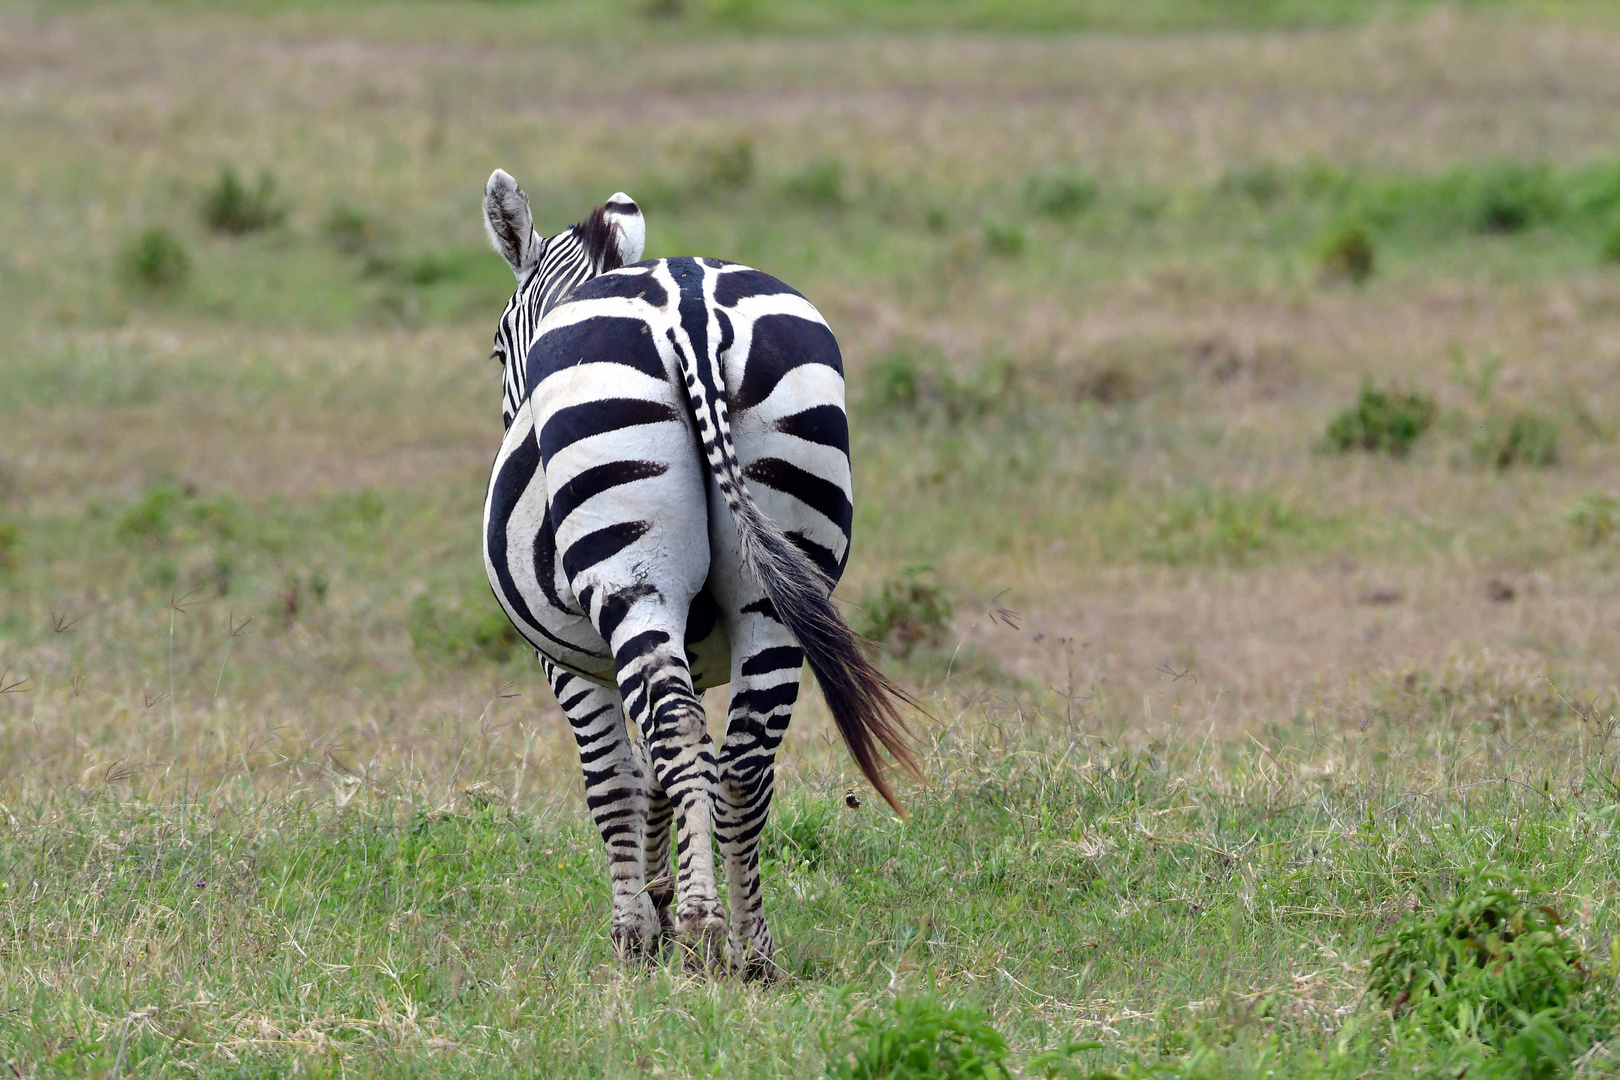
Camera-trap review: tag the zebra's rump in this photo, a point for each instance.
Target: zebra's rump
(604, 417)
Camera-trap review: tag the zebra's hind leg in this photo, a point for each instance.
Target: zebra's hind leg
(656, 684)
(655, 842)
(764, 687)
(616, 793)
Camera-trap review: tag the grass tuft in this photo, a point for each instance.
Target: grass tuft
(1512, 198)
(1381, 421)
(1061, 197)
(923, 1039)
(1347, 254)
(155, 260)
(235, 209)
(906, 611)
(1595, 520)
(1492, 983)
(1523, 438)
(1004, 238)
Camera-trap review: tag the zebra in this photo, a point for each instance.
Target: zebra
(669, 510)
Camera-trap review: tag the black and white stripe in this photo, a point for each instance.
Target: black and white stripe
(668, 511)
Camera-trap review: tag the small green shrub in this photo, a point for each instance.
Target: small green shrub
(1383, 421)
(232, 207)
(156, 260)
(351, 230)
(459, 636)
(922, 1039)
(1061, 197)
(10, 542)
(1490, 982)
(1003, 238)
(820, 184)
(1524, 438)
(727, 166)
(1595, 520)
(907, 611)
(1512, 198)
(1347, 254)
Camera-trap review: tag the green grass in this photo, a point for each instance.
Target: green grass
(1204, 905)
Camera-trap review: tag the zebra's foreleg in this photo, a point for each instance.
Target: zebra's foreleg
(765, 685)
(616, 793)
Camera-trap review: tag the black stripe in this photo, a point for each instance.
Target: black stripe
(701, 617)
(510, 483)
(642, 286)
(600, 478)
(807, 487)
(741, 284)
(617, 606)
(824, 559)
(604, 543)
(780, 344)
(773, 659)
(763, 607)
(605, 339)
(822, 424)
(643, 643)
(576, 422)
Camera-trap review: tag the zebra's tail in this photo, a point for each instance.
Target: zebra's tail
(865, 703)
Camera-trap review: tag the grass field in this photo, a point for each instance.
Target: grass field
(1215, 706)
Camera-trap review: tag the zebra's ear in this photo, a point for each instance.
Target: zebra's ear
(630, 228)
(508, 220)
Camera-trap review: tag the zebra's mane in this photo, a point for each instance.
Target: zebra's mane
(596, 234)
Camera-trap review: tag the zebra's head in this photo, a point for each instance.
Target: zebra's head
(546, 267)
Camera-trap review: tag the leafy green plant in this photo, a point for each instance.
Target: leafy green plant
(1490, 981)
(1061, 197)
(1347, 254)
(1512, 198)
(458, 635)
(1522, 438)
(907, 611)
(1003, 238)
(232, 207)
(156, 259)
(819, 184)
(1595, 520)
(922, 1039)
(1383, 421)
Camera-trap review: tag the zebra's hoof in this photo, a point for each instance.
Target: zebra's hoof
(752, 961)
(701, 941)
(636, 933)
